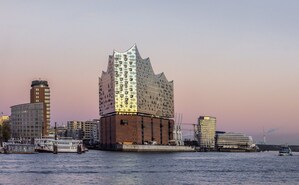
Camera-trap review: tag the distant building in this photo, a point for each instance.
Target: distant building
(95, 134)
(135, 103)
(74, 129)
(40, 92)
(206, 128)
(27, 120)
(232, 140)
(85, 130)
(60, 130)
(90, 130)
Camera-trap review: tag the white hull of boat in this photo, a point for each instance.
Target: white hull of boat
(63, 146)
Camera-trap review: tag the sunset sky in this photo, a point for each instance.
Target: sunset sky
(235, 60)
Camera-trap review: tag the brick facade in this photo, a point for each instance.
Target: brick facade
(135, 129)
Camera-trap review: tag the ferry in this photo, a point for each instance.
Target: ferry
(285, 151)
(63, 145)
(17, 148)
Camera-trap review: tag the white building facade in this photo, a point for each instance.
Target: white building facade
(130, 86)
(233, 141)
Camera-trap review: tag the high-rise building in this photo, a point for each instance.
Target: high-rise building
(135, 103)
(40, 92)
(206, 129)
(27, 120)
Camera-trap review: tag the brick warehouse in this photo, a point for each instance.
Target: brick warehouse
(136, 105)
(136, 129)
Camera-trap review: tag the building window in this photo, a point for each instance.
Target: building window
(124, 122)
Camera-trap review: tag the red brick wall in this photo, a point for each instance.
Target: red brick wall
(147, 129)
(113, 132)
(126, 132)
(41, 98)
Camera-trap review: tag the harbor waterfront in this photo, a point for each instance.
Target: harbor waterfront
(105, 167)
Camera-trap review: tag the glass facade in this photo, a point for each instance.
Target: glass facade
(130, 86)
(206, 131)
(27, 120)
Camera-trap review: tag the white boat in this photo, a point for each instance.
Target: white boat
(17, 148)
(285, 151)
(63, 145)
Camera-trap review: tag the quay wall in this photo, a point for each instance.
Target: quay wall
(149, 148)
(264, 147)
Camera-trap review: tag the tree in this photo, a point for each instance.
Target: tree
(5, 131)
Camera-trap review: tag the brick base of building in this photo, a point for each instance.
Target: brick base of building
(135, 129)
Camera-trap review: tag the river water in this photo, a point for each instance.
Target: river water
(102, 167)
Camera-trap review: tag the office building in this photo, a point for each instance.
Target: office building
(74, 129)
(85, 130)
(206, 128)
(27, 120)
(135, 104)
(95, 134)
(91, 130)
(40, 92)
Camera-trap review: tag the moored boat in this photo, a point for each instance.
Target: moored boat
(285, 151)
(18, 148)
(63, 145)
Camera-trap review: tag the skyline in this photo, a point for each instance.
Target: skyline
(233, 60)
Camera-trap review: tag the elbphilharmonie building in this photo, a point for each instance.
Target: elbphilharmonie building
(132, 95)
(130, 86)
